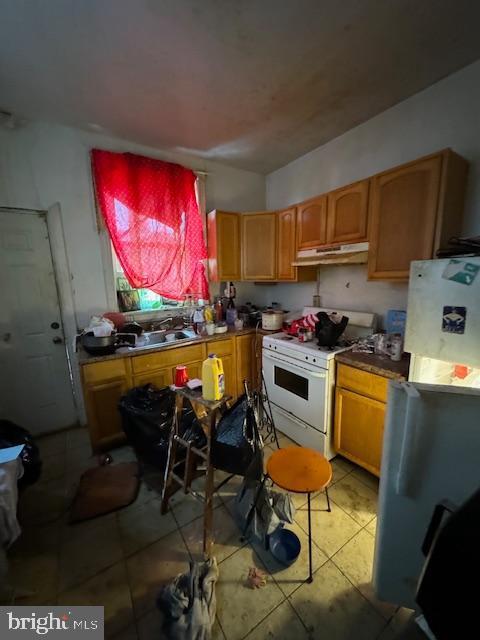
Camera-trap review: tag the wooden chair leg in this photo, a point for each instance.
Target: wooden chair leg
(171, 456)
(209, 484)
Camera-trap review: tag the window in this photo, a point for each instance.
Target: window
(151, 211)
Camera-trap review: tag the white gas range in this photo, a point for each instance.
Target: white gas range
(300, 380)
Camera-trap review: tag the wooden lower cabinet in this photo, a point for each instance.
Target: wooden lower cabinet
(160, 378)
(359, 429)
(360, 403)
(104, 421)
(104, 383)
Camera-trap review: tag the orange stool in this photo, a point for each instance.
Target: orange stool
(301, 470)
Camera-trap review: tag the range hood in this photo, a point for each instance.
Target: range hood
(342, 254)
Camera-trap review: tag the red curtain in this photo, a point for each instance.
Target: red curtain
(152, 215)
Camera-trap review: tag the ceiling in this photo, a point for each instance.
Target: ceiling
(250, 83)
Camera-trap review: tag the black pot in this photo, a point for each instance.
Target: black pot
(328, 332)
(99, 346)
(132, 327)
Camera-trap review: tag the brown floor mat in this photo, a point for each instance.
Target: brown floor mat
(105, 489)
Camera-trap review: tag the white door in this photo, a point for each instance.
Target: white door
(35, 383)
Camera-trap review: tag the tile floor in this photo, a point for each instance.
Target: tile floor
(122, 559)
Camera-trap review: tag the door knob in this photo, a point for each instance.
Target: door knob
(57, 340)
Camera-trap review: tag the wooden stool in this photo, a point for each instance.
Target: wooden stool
(301, 470)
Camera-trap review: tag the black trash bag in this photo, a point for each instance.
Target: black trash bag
(147, 414)
(12, 435)
(236, 440)
(327, 331)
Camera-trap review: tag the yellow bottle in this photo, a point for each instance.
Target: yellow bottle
(213, 378)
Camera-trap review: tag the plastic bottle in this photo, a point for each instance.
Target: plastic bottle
(213, 378)
(219, 310)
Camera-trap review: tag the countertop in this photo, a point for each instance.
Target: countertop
(85, 358)
(381, 365)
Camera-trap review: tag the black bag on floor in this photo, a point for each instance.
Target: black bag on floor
(147, 414)
(12, 435)
(236, 443)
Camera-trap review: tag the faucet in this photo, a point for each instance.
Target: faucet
(156, 325)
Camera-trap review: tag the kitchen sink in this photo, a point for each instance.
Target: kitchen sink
(158, 338)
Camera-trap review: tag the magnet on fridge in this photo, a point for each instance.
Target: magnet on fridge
(453, 319)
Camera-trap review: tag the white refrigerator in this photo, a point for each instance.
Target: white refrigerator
(431, 448)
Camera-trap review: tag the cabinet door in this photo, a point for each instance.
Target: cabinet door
(359, 428)
(230, 375)
(286, 245)
(403, 210)
(223, 234)
(160, 378)
(348, 214)
(259, 256)
(245, 362)
(312, 223)
(104, 421)
(194, 370)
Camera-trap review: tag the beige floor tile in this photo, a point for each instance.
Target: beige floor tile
(130, 633)
(186, 508)
(79, 459)
(290, 578)
(77, 438)
(53, 467)
(239, 608)
(154, 566)
(34, 564)
(339, 470)
(344, 463)
(89, 548)
(402, 627)
(230, 489)
(372, 527)
(283, 623)
(355, 560)
(123, 454)
(150, 626)
(108, 589)
(217, 633)
(226, 535)
(358, 500)
(54, 443)
(42, 503)
(332, 608)
(143, 524)
(330, 530)
(367, 478)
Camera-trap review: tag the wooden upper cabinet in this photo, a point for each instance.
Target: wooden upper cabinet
(312, 223)
(413, 210)
(286, 244)
(348, 214)
(223, 241)
(259, 238)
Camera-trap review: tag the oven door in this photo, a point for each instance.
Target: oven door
(295, 389)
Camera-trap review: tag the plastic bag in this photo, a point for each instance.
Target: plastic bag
(189, 602)
(147, 415)
(11, 435)
(236, 439)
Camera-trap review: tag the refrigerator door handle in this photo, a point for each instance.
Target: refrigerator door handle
(407, 453)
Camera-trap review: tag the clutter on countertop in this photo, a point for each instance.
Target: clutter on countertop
(376, 364)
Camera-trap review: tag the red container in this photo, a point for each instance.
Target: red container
(181, 375)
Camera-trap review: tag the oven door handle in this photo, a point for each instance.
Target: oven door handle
(306, 372)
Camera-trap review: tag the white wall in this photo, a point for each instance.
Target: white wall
(446, 114)
(41, 164)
